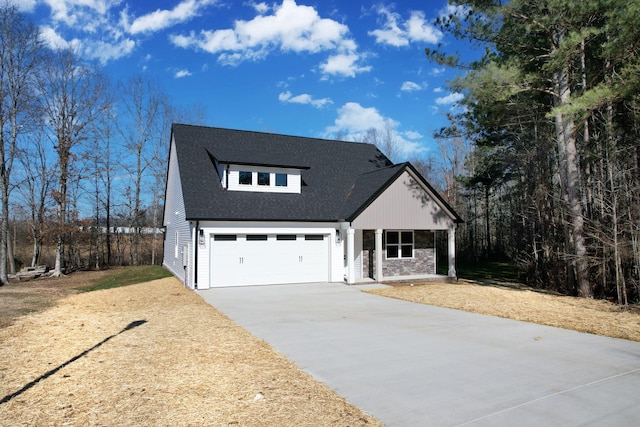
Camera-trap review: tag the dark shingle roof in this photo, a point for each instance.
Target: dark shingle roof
(338, 178)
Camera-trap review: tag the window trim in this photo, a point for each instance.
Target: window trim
(400, 245)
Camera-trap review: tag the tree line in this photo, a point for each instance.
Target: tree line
(82, 158)
(543, 158)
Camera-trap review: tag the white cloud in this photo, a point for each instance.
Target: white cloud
(289, 28)
(437, 71)
(182, 73)
(78, 13)
(343, 64)
(89, 27)
(304, 99)
(391, 33)
(395, 32)
(451, 98)
(164, 18)
(52, 38)
(261, 8)
(438, 90)
(105, 51)
(419, 30)
(411, 134)
(354, 121)
(24, 5)
(408, 86)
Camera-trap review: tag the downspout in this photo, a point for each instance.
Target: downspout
(195, 256)
(226, 179)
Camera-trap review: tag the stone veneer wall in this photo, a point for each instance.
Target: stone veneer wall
(423, 261)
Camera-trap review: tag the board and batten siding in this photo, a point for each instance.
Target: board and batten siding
(177, 240)
(404, 205)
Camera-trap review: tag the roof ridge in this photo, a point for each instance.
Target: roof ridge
(310, 138)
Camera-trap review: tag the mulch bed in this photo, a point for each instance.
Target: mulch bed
(153, 354)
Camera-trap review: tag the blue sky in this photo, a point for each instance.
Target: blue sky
(299, 67)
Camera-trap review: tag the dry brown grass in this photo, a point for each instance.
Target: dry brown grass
(187, 364)
(513, 301)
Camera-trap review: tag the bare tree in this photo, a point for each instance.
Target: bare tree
(35, 187)
(384, 138)
(20, 44)
(143, 104)
(72, 97)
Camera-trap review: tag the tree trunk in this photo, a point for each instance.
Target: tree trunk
(61, 213)
(570, 182)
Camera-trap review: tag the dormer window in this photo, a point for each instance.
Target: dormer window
(263, 178)
(259, 178)
(245, 178)
(281, 179)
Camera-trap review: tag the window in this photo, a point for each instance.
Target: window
(263, 178)
(256, 237)
(281, 179)
(313, 237)
(286, 237)
(246, 178)
(224, 237)
(399, 244)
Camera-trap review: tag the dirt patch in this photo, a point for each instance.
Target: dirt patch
(514, 301)
(21, 298)
(153, 354)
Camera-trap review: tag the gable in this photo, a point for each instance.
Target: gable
(405, 204)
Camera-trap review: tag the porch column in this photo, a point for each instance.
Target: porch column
(351, 272)
(452, 252)
(378, 252)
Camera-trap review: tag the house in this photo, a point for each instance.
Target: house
(251, 208)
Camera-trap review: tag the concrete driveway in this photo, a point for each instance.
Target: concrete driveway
(416, 365)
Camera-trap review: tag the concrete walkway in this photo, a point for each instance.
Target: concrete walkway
(416, 365)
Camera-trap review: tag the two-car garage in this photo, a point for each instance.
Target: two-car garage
(262, 259)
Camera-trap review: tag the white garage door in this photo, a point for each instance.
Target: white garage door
(262, 259)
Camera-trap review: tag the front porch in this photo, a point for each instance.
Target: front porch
(377, 256)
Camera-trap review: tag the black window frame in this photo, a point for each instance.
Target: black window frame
(278, 178)
(242, 174)
(399, 244)
(261, 176)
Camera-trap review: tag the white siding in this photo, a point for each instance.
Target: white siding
(176, 224)
(294, 181)
(404, 205)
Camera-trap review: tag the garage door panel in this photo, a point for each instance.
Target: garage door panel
(252, 260)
